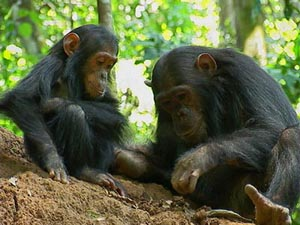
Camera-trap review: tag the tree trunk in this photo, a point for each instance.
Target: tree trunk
(244, 20)
(29, 41)
(104, 14)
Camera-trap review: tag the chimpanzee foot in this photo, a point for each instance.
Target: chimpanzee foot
(267, 212)
(59, 175)
(130, 163)
(109, 182)
(103, 179)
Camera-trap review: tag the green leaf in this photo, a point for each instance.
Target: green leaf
(25, 29)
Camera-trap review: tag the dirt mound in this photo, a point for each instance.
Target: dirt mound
(28, 196)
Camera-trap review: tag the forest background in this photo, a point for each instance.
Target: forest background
(267, 30)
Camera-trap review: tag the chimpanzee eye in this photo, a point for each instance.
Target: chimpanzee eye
(167, 105)
(100, 60)
(181, 96)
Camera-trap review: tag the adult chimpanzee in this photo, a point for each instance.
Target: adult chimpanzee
(69, 117)
(222, 123)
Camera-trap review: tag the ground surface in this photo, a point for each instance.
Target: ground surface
(28, 196)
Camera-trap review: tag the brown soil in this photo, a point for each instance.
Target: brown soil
(28, 196)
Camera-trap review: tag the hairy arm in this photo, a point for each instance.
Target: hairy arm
(248, 148)
(26, 113)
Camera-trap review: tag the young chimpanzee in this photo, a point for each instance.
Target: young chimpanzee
(224, 128)
(69, 117)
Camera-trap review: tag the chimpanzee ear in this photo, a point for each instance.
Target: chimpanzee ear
(71, 43)
(206, 62)
(148, 83)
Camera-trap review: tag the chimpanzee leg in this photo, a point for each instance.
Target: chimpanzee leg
(86, 155)
(72, 136)
(285, 165)
(50, 161)
(37, 137)
(284, 173)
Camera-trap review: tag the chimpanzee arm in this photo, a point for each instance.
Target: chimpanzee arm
(102, 114)
(139, 162)
(248, 148)
(107, 122)
(27, 115)
(95, 128)
(152, 162)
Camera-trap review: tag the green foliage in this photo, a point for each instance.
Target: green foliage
(284, 56)
(25, 29)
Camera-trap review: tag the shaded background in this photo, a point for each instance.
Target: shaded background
(267, 30)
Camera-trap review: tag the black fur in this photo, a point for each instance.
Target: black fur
(249, 121)
(82, 131)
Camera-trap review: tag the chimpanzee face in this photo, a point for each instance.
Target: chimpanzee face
(183, 105)
(96, 71)
(174, 94)
(95, 64)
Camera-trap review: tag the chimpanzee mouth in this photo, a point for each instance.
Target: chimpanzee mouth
(189, 135)
(186, 133)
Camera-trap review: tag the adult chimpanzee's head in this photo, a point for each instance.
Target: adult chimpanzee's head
(174, 79)
(90, 52)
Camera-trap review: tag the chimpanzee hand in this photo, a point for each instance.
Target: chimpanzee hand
(188, 169)
(267, 212)
(55, 167)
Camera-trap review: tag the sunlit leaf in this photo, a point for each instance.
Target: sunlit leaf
(25, 29)
(21, 62)
(6, 54)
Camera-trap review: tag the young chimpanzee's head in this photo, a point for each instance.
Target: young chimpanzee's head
(174, 79)
(90, 52)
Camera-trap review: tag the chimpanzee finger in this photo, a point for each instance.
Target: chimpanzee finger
(181, 182)
(103, 181)
(194, 176)
(51, 173)
(118, 187)
(187, 182)
(176, 175)
(106, 181)
(254, 195)
(174, 182)
(59, 175)
(121, 191)
(64, 177)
